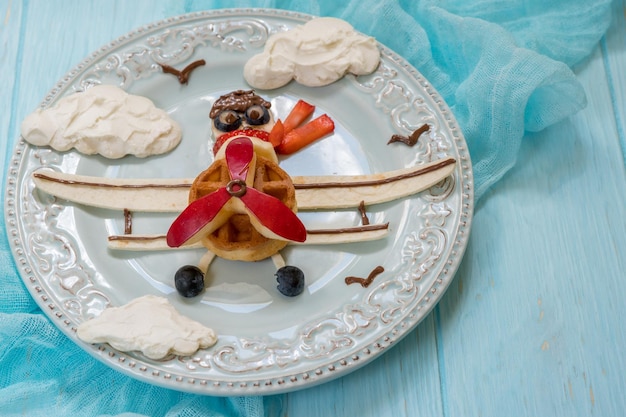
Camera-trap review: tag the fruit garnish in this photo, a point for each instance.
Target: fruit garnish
(189, 281)
(255, 133)
(257, 115)
(301, 136)
(277, 133)
(290, 280)
(300, 112)
(239, 156)
(270, 216)
(227, 121)
(200, 218)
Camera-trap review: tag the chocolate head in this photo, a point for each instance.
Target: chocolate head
(240, 109)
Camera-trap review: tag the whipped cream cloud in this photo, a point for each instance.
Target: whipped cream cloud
(103, 120)
(149, 324)
(315, 54)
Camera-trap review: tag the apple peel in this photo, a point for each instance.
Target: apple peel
(272, 218)
(200, 218)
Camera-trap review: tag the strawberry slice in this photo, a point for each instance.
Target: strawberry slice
(298, 115)
(254, 133)
(277, 133)
(301, 136)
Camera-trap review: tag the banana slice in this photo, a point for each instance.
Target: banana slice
(171, 195)
(155, 242)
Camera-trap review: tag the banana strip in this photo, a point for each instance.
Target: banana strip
(171, 195)
(132, 242)
(343, 191)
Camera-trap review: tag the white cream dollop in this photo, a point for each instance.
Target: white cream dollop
(103, 119)
(315, 54)
(149, 324)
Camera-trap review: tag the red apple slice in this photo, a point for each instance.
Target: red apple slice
(239, 156)
(200, 218)
(272, 218)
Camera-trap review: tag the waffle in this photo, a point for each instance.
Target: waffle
(237, 239)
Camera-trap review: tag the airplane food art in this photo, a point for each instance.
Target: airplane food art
(98, 236)
(244, 206)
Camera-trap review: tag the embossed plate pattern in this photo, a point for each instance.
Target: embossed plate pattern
(267, 343)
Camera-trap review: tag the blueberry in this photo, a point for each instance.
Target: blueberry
(189, 281)
(227, 121)
(290, 280)
(257, 115)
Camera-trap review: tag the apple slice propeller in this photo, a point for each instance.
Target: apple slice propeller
(270, 216)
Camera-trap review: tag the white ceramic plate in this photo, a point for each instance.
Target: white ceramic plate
(268, 343)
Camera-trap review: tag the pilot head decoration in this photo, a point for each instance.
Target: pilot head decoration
(240, 110)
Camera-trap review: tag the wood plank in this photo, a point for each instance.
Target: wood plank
(529, 328)
(404, 381)
(614, 55)
(11, 22)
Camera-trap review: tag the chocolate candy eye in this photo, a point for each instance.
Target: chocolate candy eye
(227, 121)
(257, 115)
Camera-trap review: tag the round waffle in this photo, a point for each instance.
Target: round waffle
(237, 239)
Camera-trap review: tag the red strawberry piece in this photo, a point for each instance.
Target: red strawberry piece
(277, 133)
(306, 134)
(254, 133)
(298, 115)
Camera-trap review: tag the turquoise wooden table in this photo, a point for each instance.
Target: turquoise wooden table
(533, 321)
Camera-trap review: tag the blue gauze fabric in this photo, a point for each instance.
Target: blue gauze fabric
(502, 66)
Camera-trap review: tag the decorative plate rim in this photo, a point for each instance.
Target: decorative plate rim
(144, 370)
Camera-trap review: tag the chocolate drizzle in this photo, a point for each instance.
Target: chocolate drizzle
(239, 100)
(131, 238)
(365, 282)
(128, 222)
(410, 140)
(183, 76)
(411, 174)
(364, 220)
(45, 177)
(357, 229)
